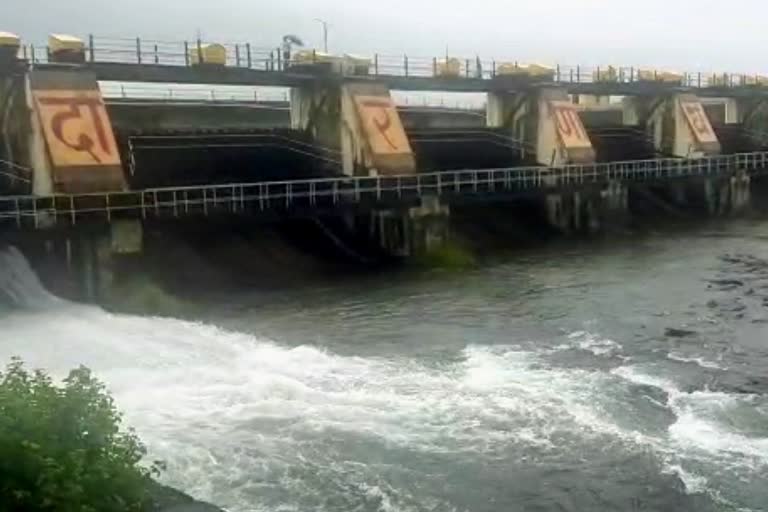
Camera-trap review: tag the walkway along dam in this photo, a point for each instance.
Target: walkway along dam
(86, 175)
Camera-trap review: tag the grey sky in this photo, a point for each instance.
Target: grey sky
(682, 34)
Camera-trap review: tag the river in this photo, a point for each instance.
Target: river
(623, 375)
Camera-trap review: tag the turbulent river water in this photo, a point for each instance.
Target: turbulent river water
(626, 375)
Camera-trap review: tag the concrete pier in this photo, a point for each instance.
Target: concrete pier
(414, 231)
(95, 253)
(677, 124)
(358, 119)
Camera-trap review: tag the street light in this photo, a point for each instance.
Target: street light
(325, 25)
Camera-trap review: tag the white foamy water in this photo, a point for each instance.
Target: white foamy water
(257, 425)
(20, 285)
(702, 362)
(591, 342)
(697, 427)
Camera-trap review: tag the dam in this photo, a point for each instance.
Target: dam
(581, 148)
(617, 364)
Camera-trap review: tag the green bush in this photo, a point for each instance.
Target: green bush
(62, 449)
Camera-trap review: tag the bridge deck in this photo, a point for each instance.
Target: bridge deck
(142, 60)
(278, 197)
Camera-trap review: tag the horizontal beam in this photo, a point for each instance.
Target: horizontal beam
(340, 192)
(162, 73)
(232, 75)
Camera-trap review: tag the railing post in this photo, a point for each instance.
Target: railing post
(138, 50)
(91, 51)
(199, 51)
(557, 73)
(699, 80)
(237, 55)
(434, 67)
(376, 64)
(578, 74)
(493, 68)
(466, 65)
(157, 57)
(31, 52)
(279, 60)
(406, 64)
(248, 55)
(186, 53)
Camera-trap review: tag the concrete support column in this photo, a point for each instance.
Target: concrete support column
(564, 211)
(733, 111)
(416, 231)
(677, 124)
(42, 178)
(545, 121)
(317, 110)
(720, 196)
(588, 211)
(614, 205)
(360, 120)
(740, 187)
(428, 225)
(97, 252)
(711, 196)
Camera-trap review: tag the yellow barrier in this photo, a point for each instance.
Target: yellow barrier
(606, 74)
(720, 80)
(755, 80)
(210, 53)
(653, 75)
(66, 48)
(7, 39)
(303, 57)
(9, 47)
(356, 65)
(532, 70)
(448, 68)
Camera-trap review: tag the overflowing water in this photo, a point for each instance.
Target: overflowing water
(623, 376)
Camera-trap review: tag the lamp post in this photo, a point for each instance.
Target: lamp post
(325, 25)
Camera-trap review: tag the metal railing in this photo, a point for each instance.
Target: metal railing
(245, 55)
(181, 93)
(313, 194)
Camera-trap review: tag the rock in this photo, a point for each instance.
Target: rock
(727, 282)
(168, 499)
(678, 333)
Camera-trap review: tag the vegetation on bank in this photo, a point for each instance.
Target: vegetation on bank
(62, 447)
(449, 256)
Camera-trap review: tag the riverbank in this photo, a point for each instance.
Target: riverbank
(168, 499)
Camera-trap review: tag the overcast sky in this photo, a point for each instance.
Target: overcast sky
(680, 34)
